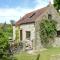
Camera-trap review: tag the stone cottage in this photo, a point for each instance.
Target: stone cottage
(29, 27)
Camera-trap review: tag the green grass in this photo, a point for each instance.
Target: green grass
(44, 55)
(24, 56)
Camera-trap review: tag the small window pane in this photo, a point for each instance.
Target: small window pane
(58, 33)
(21, 35)
(28, 34)
(49, 16)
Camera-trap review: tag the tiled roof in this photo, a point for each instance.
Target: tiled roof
(31, 17)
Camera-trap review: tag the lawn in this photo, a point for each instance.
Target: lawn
(44, 55)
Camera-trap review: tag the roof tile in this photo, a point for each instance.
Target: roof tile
(31, 17)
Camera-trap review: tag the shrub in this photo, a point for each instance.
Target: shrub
(47, 31)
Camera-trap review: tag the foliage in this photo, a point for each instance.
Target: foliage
(57, 4)
(47, 31)
(7, 28)
(12, 22)
(44, 55)
(4, 44)
(17, 34)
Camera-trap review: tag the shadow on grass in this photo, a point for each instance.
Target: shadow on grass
(38, 56)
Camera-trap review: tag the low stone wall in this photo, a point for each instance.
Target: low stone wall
(55, 57)
(57, 42)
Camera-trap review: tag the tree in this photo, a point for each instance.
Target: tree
(57, 4)
(12, 22)
(7, 28)
(47, 31)
(4, 45)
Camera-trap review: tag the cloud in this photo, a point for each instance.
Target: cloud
(41, 3)
(7, 14)
(52, 1)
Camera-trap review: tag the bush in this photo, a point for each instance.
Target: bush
(4, 46)
(47, 31)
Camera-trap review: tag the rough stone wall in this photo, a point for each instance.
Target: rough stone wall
(28, 27)
(34, 28)
(37, 38)
(57, 42)
(55, 16)
(17, 38)
(31, 28)
(14, 31)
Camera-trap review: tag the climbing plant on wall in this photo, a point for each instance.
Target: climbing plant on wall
(47, 31)
(17, 34)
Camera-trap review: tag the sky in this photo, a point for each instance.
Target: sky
(15, 9)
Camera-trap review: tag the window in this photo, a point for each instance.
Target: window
(21, 35)
(58, 33)
(32, 15)
(49, 16)
(28, 33)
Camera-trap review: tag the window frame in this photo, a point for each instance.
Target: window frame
(49, 16)
(58, 33)
(21, 35)
(28, 35)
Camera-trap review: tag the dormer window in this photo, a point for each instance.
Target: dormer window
(49, 16)
(32, 15)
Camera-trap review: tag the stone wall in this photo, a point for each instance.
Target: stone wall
(28, 27)
(14, 31)
(57, 42)
(31, 28)
(55, 16)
